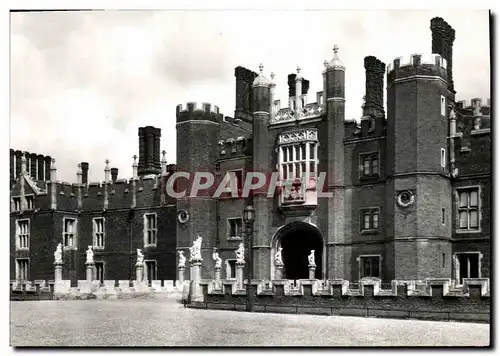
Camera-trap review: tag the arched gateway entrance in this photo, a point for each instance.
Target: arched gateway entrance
(297, 240)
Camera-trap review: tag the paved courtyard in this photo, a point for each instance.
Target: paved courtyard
(163, 322)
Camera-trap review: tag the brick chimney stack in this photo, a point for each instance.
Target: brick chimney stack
(374, 84)
(149, 150)
(85, 172)
(114, 174)
(243, 105)
(443, 36)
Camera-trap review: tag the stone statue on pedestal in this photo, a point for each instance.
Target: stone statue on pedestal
(90, 255)
(182, 259)
(312, 262)
(240, 253)
(217, 259)
(58, 254)
(140, 258)
(278, 261)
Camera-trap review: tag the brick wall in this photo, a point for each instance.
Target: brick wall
(434, 302)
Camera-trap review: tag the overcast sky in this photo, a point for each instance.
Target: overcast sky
(82, 83)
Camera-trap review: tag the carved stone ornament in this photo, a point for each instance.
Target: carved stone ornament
(298, 136)
(183, 216)
(406, 198)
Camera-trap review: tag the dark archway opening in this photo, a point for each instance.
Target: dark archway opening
(297, 242)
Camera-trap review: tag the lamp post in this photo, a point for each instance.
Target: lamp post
(249, 218)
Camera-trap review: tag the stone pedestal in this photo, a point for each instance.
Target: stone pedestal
(196, 291)
(239, 274)
(218, 284)
(180, 274)
(90, 271)
(139, 272)
(279, 272)
(312, 272)
(58, 271)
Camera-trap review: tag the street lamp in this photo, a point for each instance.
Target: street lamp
(249, 218)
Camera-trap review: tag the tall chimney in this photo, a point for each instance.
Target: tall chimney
(244, 80)
(85, 172)
(114, 174)
(41, 167)
(48, 163)
(19, 157)
(443, 36)
(374, 86)
(33, 166)
(149, 150)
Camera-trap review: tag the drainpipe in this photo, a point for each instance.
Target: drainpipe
(217, 206)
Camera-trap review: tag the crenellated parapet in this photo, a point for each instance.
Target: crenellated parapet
(194, 111)
(433, 65)
(434, 299)
(474, 106)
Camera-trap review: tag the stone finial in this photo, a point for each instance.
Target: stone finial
(79, 173)
(261, 80)
(298, 77)
(53, 169)
(134, 167)
(23, 164)
(106, 171)
(325, 63)
(164, 162)
(335, 63)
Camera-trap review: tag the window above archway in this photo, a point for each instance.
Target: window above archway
(298, 163)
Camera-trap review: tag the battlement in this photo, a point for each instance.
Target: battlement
(417, 64)
(195, 106)
(198, 111)
(232, 146)
(474, 102)
(434, 298)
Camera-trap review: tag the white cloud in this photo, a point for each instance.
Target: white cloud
(82, 83)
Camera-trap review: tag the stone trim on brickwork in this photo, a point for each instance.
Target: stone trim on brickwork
(197, 122)
(413, 77)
